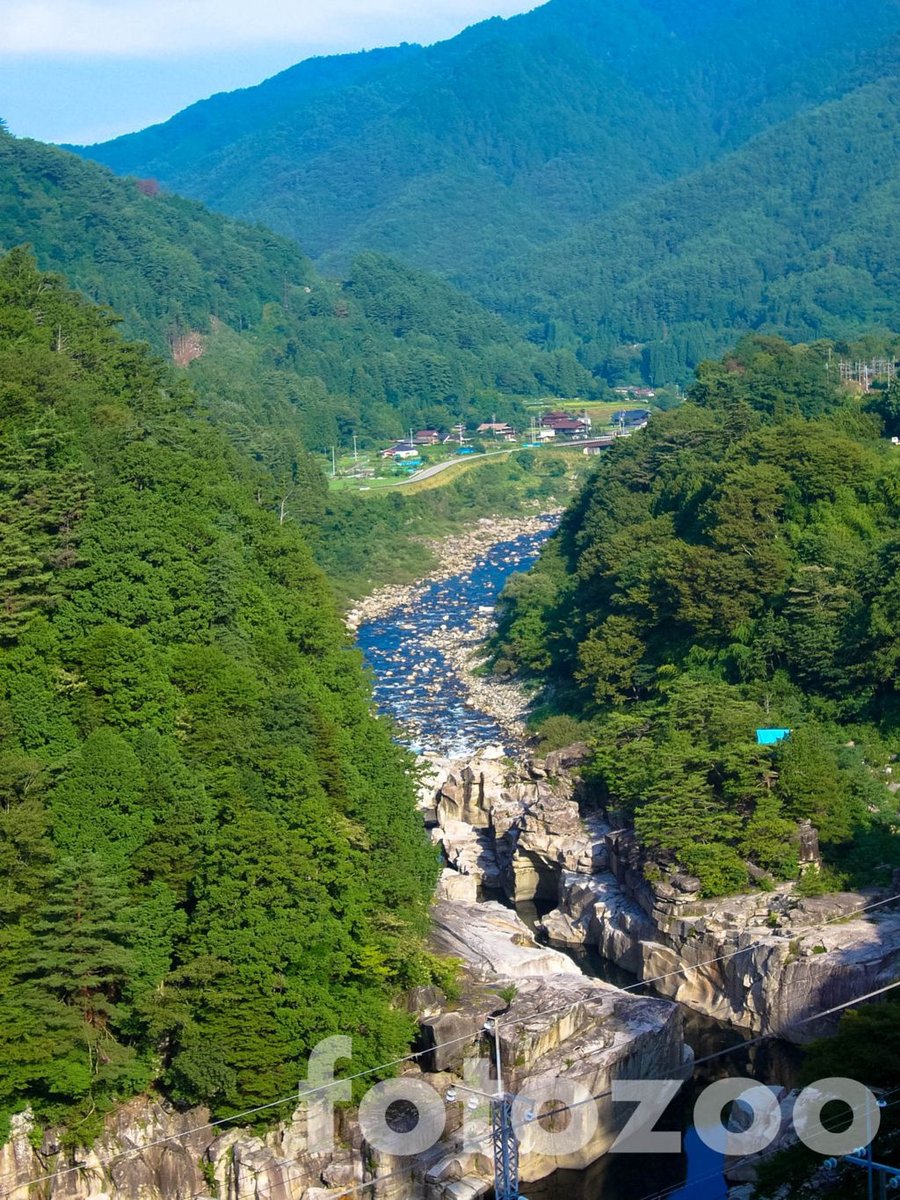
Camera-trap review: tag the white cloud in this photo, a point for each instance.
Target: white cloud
(146, 28)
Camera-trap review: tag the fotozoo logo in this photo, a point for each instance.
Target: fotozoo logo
(558, 1117)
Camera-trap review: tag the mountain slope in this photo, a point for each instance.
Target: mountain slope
(289, 350)
(467, 155)
(199, 813)
(796, 232)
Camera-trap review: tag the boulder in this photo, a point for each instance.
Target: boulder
(567, 759)
(493, 940)
(452, 885)
(450, 1037)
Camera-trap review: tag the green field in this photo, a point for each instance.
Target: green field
(458, 466)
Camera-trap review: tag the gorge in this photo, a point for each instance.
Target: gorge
(576, 765)
(518, 831)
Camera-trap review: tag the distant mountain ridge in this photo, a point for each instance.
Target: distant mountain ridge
(497, 155)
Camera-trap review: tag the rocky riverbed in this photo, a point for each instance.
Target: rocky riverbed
(454, 555)
(423, 643)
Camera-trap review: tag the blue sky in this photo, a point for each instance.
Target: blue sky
(87, 70)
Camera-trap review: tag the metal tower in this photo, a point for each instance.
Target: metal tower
(506, 1149)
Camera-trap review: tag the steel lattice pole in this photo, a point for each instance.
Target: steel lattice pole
(506, 1149)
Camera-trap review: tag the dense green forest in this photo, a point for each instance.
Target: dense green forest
(795, 233)
(288, 359)
(734, 566)
(209, 851)
(631, 181)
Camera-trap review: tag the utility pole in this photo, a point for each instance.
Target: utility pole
(504, 1142)
(333, 464)
(355, 455)
(503, 1135)
(887, 1178)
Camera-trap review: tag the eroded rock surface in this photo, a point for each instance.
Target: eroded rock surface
(765, 961)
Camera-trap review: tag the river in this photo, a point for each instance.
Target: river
(421, 688)
(416, 681)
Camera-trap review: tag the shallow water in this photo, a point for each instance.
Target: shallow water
(414, 682)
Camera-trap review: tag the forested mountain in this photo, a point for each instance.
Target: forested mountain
(601, 173)
(797, 232)
(287, 355)
(208, 844)
(734, 566)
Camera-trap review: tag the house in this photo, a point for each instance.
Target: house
(497, 429)
(564, 424)
(427, 437)
(597, 445)
(642, 393)
(400, 450)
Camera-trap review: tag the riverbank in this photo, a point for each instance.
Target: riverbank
(455, 555)
(505, 702)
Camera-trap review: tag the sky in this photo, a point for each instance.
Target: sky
(83, 71)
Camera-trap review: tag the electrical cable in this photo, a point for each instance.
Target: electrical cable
(298, 1096)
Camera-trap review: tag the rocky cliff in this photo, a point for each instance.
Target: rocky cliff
(765, 961)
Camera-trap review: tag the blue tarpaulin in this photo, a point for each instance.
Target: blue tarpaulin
(771, 737)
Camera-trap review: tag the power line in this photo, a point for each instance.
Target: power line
(298, 1096)
(735, 1048)
(317, 1091)
(340, 1193)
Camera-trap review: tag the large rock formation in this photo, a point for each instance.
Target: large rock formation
(765, 961)
(513, 829)
(557, 1030)
(552, 1024)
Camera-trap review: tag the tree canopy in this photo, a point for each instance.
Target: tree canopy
(733, 567)
(631, 181)
(209, 851)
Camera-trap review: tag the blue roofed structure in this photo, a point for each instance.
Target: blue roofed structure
(771, 737)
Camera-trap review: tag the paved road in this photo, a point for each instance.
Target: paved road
(428, 472)
(436, 468)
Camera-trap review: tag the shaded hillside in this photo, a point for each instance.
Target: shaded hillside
(797, 232)
(504, 157)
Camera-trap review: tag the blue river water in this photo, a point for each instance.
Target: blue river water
(414, 682)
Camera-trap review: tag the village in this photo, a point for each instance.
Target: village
(583, 429)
